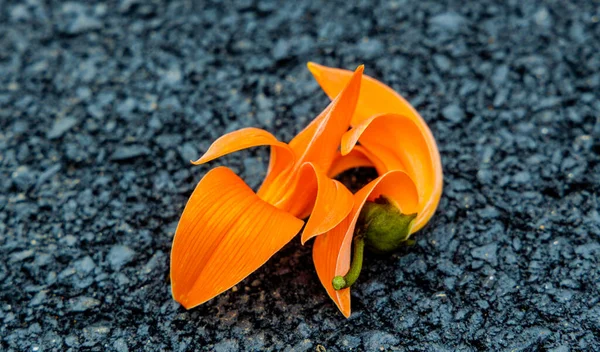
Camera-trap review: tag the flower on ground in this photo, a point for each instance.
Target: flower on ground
(388, 134)
(227, 231)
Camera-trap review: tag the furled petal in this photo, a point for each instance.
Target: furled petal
(225, 233)
(331, 201)
(331, 251)
(281, 160)
(317, 144)
(358, 157)
(375, 97)
(319, 141)
(241, 139)
(399, 144)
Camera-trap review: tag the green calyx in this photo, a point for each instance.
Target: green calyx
(382, 229)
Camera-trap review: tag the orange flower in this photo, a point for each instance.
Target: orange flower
(227, 231)
(397, 142)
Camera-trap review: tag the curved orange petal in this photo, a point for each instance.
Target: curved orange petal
(331, 251)
(225, 233)
(319, 141)
(326, 251)
(375, 97)
(328, 207)
(357, 157)
(400, 145)
(303, 139)
(282, 157)
(239, 140)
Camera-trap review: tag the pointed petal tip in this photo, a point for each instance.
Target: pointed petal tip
(345, 149)
(179, 297)
(357, 76)
(346, 313)
(206, 157)
(343, 304)
(317, 70)
(182, 302)
(314, 68)
(185, 303)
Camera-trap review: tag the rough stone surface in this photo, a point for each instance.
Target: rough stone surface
(103, 104)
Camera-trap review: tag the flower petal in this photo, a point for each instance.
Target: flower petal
(328, 250)
(375, 97)
(357, 157)
(399, 144)
(281, 160)
(239, 140)
(332, 203)
(319, 141)
(332, 251)
(225, 233)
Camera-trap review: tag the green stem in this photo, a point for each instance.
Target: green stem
(341, 282)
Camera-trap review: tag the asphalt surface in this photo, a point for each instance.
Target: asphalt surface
(103, 104)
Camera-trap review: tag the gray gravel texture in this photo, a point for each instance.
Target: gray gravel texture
(103, 104)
